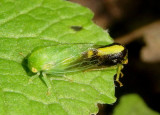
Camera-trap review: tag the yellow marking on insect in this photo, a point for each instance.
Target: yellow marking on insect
(34, 70)
(110, 50)
(89, 53)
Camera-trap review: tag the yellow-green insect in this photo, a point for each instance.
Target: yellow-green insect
(66, 58)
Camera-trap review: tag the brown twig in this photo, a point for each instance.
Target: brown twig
(138, 33)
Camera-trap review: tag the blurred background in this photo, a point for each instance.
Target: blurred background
(136, 24)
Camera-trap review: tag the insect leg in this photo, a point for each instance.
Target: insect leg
(120, 66)
(48, 83)
(21, 54)
(121, 74)
(33, 77)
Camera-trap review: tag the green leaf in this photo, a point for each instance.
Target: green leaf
(28, 24)
(133, 104)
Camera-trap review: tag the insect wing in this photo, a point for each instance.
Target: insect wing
(66, 58)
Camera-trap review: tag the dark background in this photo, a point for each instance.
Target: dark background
(136, 24)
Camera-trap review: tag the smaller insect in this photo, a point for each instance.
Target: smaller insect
(66, 58)
(77, 28)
